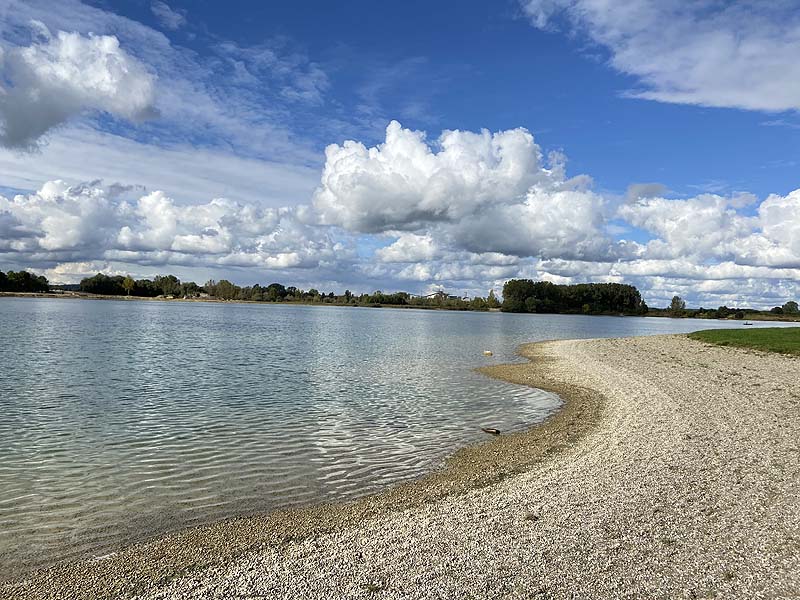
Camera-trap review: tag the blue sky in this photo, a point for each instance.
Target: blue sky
(213, 121)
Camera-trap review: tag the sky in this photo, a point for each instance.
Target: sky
(406, 145)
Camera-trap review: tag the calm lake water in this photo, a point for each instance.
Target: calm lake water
(123, 420)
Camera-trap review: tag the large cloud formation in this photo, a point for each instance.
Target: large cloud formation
(60, 76)
(465, 212)
(714, 228)
(484, 207)
(710, 248)
(481, 192)
(727, 54)
(404, 182)
(90, 222)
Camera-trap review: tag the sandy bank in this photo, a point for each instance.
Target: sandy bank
(671, 472)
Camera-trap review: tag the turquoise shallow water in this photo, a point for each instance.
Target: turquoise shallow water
(123, 420)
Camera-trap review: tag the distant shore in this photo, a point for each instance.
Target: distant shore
(671, 471)
(85, 296)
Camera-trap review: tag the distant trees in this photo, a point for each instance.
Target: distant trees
(168, 285)
(23, 281)
(226, 290)
(117, 285)
(276, 292)
(478, 303)
(222, 289)
(525, 295)
(103, 284)
(379, 297)
(519, 295)
(145, 288)
(492, 301)
(677, 306)
(189, 289)
(128, 284)
(790, 308)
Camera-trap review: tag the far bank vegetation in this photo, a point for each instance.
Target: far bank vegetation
(519, 295)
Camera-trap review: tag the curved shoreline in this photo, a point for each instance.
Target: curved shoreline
(144, 567)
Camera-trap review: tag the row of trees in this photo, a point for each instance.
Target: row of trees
(520, 295)
(677, 308)
(526, 295)
(276, 292)
(117, 285)
(171, 286)
(22, 281)
(790, 308)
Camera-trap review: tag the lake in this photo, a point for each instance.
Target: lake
(123, 420)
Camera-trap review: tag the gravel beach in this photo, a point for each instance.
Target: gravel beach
(673, 471)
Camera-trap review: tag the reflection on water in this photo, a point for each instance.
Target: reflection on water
(122, 420)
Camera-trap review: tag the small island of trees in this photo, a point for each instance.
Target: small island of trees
(526, 295)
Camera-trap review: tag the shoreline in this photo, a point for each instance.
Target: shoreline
(671, 471)
(86, 296)
(143, 567)
(660, 315)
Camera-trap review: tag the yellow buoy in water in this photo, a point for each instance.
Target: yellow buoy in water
(487, 353)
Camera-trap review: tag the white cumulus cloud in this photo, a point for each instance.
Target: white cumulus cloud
(779, 240)
(547, 223)
(710, 228)
(706, 226)
(404, 181)
(88, 223)
(409, 247)
(60, 76)
(481, 192)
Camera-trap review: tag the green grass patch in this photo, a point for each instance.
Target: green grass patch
(785, 340)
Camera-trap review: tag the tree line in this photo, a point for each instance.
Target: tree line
(22, 281)
(528, 296)
(677, 308)
(171, 286)
(519, 295)
(160, 285)
(276, 292)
